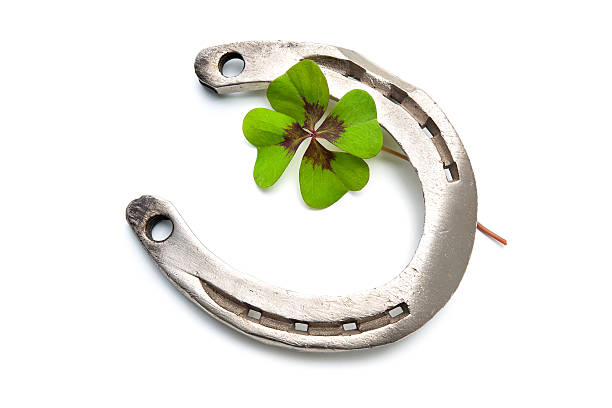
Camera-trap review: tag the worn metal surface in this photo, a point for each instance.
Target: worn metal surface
(361, 320)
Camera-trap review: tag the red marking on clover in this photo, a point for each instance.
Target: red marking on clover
(314, 112)
(319, 155)
(294, 136)
(331, 129)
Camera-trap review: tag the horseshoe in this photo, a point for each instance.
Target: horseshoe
(362, 320)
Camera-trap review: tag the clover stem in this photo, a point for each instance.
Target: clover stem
(480, 227)
(491, 234)
(393, 152)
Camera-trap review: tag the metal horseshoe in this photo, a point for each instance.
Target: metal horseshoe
(362, 320)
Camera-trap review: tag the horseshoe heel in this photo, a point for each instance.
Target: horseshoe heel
(371, 318)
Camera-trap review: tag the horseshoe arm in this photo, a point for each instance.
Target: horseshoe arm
(371, 318)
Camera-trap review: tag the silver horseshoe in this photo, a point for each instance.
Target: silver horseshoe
(372, 318)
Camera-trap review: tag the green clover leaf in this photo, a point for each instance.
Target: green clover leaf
(300, 98)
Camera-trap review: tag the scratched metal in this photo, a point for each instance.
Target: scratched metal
(361, 320)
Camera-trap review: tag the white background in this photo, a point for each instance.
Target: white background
(99, 104)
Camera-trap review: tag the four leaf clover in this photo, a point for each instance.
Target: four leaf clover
(300, 98)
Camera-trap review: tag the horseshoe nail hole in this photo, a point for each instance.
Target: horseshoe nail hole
(254, 314)
(231, 64)
(396, 311)
(349, 326)
(159, 228)
(427, 132)
(449, 176)
(302, 327)
(452, 173)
